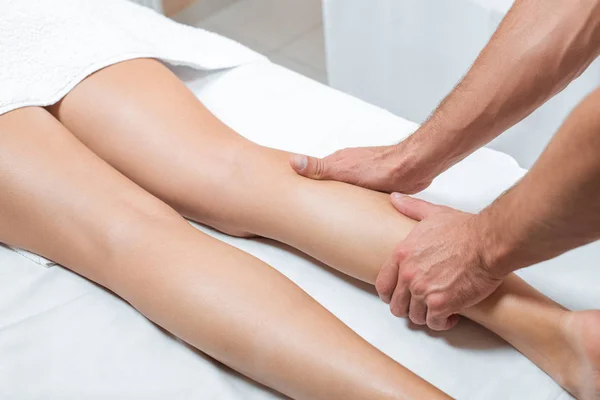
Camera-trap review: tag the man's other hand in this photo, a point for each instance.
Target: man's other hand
(439, 269)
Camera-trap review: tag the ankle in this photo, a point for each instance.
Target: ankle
(581, 376)
(568, 367)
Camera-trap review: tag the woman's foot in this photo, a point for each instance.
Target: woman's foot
(581, 377)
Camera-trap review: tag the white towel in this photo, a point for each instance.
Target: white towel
(154, 4)
(48, 47)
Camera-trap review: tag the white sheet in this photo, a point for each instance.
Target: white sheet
(62, 337)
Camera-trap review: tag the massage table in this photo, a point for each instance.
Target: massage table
(63, 337)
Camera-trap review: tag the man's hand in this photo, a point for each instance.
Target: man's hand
(440, 268)
(536, 51)
(384, 168)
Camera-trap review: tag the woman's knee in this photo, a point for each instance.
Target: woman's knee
(68, 205)
(237, 202)
(131, 227)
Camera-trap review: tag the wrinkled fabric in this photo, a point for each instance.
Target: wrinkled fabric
(48, 47)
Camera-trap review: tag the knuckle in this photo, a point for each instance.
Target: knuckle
(320, 168)
(418, 289)
(400, 253)
(407, 275)
(436, 302)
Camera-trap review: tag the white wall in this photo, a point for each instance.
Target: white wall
(406, 55)
(155, 4)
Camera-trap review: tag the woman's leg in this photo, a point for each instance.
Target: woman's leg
(62, 201)
(142, 120)
(565, 344)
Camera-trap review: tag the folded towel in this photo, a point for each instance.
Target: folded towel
(48, 47)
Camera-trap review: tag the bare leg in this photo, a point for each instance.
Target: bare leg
(62, 201)
(564, 344)
(183, 154)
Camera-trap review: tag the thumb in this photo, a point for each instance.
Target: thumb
(311, 167)
(414, 208)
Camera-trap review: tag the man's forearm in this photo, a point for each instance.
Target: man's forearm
(556, 206)
(539, 48)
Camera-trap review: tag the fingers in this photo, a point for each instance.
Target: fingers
(403, 304)
(386, 282)
(399, 305)
(438, 317)
(418, 311)
(392, 290)
(391, 287)
(310, 167)
(414, 208)
(442, 323)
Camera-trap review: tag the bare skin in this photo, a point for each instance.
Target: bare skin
(453, 259)
(64, 202)
(538, 49)
(178, 151)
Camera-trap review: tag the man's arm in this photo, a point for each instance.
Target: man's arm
(453, 260)
(556, 207)
(540, 46)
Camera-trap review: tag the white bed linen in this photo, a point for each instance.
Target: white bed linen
(62, 337)
(48, 47)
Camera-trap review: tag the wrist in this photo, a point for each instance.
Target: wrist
(430, 150)
(410, 164)
(498, 248)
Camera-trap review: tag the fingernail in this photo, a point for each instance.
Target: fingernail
(397, 196)
(299, 162)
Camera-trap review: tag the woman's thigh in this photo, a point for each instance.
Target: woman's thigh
(140, 118)
(62, 201)
(59, 199)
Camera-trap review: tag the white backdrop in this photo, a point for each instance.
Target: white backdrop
(155, 4)
(406, 55)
